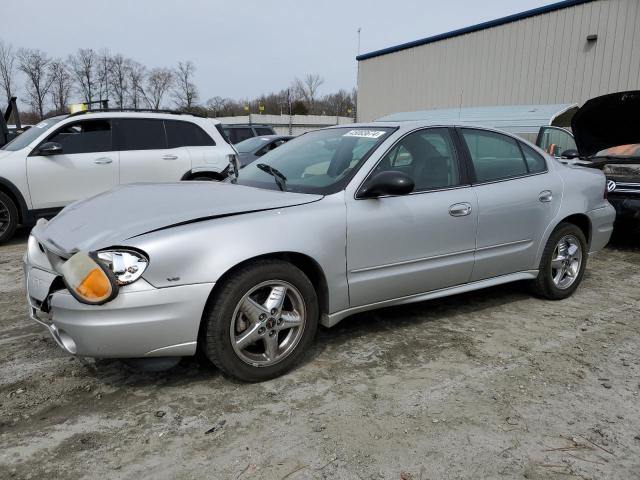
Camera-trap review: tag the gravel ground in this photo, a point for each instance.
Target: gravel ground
(491, 384)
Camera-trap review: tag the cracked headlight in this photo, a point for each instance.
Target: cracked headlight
(88, 279)
(127, 265)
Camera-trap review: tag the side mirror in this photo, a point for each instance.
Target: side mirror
(571, 153)
(50, 148)
(390, 182)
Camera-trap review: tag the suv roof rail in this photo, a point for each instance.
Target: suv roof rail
(142, 110)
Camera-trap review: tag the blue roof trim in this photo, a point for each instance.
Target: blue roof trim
(475, 28)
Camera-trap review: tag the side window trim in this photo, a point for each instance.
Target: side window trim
(69, 124)
(546, 166)
(468, 161)
(464, 181)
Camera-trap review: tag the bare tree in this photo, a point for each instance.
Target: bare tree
(307, 89)
(34, 64)
(159, 82)
(83, 67)
(103, 70)
(217, 105)
(185, 92)
(61, 84)
(136, 75)
(7, 69)
(119, 79)
(338, 103)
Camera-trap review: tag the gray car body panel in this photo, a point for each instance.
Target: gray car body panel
(372, 252)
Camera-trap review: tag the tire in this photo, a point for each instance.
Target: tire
(231, 314)
(8, 217)
(549, 283)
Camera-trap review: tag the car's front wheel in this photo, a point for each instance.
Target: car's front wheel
(260, 321)
(563, 263)
(8, 218)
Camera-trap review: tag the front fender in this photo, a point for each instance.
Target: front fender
(201, 252)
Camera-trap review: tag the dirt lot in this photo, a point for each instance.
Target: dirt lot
(492, 384)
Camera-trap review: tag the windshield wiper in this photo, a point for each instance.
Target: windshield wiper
(280, 179)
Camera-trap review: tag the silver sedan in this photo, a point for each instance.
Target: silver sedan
(337, 221)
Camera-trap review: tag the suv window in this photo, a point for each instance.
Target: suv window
(494, 156)
(186, 134)
(264, 131)
(239, 134)
(427, 156)
(141, 134)
(86, 136)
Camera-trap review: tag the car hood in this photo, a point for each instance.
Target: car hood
(132, 210)
(607, 121)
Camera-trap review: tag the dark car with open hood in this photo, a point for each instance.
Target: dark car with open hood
(606, 131)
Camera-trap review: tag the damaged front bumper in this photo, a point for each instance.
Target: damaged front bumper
(142, 321)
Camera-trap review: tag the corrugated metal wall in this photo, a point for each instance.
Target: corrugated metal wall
(542, 59)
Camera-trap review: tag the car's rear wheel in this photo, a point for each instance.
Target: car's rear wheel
(563, 263)
(8, 217)
(261, 321)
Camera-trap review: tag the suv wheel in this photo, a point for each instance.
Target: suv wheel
(261, 322)
(563, 263)
(8, 218)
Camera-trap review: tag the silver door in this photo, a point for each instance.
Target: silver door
(517, 198)
(405, 245)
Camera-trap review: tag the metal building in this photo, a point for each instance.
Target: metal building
(566, 52)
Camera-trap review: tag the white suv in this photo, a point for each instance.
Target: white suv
(72, 157)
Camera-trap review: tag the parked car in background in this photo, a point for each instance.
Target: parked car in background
(606, 135)
(72, 157)
(338, 221)
(238, 132)
(253, 148)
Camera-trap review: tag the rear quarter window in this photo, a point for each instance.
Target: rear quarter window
(186, 134)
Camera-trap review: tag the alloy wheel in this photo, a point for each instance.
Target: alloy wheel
(268, 323)
(5, 218)
(566, 262)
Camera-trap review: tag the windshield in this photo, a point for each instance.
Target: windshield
(250, 144)
(30, 135)
(321, 162)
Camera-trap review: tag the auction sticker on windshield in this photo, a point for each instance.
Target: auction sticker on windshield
(365, 133)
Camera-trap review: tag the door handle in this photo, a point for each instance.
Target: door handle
(545, 196)
(460, 209)
(169, 157)
(103, 161)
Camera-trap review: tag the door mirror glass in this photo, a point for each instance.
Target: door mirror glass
(390, 182)
(570, 153)
(50, 148)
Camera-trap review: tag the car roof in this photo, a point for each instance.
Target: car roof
(133, 114)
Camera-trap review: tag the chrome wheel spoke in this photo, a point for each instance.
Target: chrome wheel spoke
(275, 300)
(290, 320)
(271, 347)
(248, 337)
(557, 263)
(252, 310)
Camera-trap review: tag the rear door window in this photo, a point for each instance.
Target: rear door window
(535, 162)
(87, 136)
(141, 134)
(494, 156)
(186, 134)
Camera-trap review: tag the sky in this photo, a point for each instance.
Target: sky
(243, 49)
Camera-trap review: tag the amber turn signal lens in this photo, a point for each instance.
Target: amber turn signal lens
(95, 285)
(88, 280)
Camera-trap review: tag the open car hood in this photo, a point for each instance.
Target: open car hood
(131, 210)
(607, 121)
